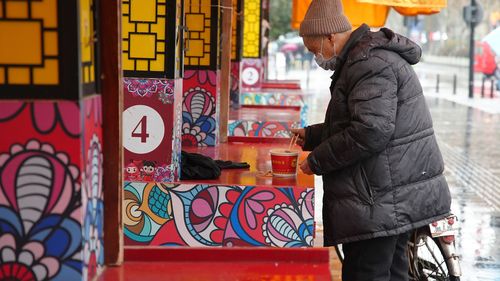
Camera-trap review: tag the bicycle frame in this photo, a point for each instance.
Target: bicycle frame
(452, 259)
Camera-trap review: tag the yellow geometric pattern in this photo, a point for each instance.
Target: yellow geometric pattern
(87, 40)
(198, 17)
(29, 52)
(179, 61)
(143, 32)
(234, 31)
(251, 28)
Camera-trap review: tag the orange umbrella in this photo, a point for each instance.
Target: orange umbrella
(405, 11)
(408, 3)
(411, 7)
(372, 12)
(358, 13)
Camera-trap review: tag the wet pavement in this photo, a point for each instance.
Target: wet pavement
(470, 143)
(469, 139)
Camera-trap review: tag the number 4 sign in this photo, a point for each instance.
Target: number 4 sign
(144, 131)
(148, 130)
(136, 121)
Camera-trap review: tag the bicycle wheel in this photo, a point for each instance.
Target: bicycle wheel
(427, 261)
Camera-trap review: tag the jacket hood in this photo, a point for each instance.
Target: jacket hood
(388, 40)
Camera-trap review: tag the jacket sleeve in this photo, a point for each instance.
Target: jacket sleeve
(372, 104)
(313, 135)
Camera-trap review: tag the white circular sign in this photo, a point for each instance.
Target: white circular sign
(250, 76)
(143, 129)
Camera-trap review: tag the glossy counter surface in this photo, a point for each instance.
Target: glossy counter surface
(259, 158)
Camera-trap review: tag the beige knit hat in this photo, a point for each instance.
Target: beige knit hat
(324, 17)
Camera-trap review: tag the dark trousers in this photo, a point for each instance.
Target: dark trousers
(379, 259)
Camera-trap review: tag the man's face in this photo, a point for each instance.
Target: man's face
(313, 44)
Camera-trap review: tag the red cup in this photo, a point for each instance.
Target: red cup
(284, 162)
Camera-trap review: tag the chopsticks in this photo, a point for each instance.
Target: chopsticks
(293, 140)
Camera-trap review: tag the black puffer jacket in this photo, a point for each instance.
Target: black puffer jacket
(381, 165)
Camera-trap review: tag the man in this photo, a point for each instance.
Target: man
(377, 153)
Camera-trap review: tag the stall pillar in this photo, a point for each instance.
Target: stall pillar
(251, 66)
(51, 159)
(236, 41)
(152, 88)
(201, 86)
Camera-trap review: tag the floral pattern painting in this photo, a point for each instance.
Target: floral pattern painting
(40, 230)
(240, 128)
(283, 98)
(51, 204)
(149, 87)
(199, 108)
(272, 98)
(201, 215)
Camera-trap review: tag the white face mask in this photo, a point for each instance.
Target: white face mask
(327, 64)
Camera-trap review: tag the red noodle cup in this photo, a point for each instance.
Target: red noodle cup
(284, 162)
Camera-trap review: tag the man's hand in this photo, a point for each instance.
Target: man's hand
(304, 166)
(302, 135)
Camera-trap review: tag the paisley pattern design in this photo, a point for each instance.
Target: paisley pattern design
(271, 98)
(277, 99)
(40, 231)
(201, 215)
(51, 204)
(242, 128)
(199, 108)
(92, 191)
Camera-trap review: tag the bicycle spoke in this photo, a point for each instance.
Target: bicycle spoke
(426, 259)
(434, 257)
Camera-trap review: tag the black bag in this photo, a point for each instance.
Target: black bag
(195, 166)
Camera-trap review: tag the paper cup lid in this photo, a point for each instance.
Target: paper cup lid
(284, 152)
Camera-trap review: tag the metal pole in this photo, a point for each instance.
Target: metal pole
(471, 54)
(492, 90)
(437, 83)
(482, 86)
(455, 84)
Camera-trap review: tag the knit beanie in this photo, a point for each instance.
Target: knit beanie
(324, 17)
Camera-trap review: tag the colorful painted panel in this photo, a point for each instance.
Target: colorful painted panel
(40, 207)
(251, 74)
(235, 84)
(177, 134)
(236, 31)
(92, 189)
(88, 45)
(31, 63)
(201, 18)
(201, 215)
(199, 108)
(243, 128)
(148, 43)
(251, 28)
(275, 98)
(148, 122)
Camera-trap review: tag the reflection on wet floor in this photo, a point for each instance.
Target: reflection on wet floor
(470, 140)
